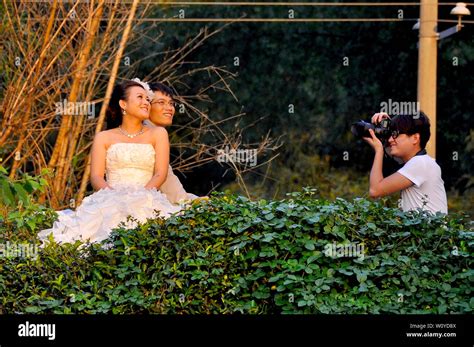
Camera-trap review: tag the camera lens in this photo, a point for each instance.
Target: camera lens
(361, 129)
(382, 131)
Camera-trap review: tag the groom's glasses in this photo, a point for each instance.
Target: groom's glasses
(163, 103)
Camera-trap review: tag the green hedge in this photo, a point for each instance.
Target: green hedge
(231, 254)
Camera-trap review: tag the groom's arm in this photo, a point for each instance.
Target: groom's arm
(162, 155)
(173, 188)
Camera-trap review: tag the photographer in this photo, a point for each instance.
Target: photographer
(419, 180)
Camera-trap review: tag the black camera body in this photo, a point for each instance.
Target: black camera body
(383, 130)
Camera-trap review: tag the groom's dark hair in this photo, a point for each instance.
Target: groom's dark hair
(160, 87)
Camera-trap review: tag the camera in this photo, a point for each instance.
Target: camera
(383, 130)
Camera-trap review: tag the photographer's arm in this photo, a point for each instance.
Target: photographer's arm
(380, 186)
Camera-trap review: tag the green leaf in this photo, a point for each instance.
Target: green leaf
(275, 278)
(346, 272)
(218, 232)
(31, 224)
(262, 293)
(442, 309)
(269, 216)
(23, 195)
(32, 309)
(301, 303)
(361, 275)
(361, 278)
(7, 194)
(446, 287)
(371, 226)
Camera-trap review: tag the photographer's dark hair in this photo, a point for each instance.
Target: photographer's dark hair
(160, 87)
(409, 124)
(114, 112)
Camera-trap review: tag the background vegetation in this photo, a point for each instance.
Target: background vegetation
(279, 64)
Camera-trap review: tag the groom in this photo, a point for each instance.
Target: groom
(161, 114)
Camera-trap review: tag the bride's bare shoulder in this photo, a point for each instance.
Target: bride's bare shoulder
(104, 136)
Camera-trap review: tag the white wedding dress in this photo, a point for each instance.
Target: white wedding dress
(129, 166)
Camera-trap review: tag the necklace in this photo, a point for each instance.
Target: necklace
(131, 135)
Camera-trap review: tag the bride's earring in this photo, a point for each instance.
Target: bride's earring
(124, 112)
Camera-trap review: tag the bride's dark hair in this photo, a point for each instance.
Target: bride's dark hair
(114, 112)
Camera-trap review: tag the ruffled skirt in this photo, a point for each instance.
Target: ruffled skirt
(104, 210)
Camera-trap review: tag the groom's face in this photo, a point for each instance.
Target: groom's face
(162, 110)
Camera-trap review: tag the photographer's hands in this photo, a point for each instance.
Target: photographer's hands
(380, 186)
(374, 142)
(377, 118)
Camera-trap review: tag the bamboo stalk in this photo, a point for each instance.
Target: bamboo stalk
(10, 119)
(47, 35)
(77, 128)
(58, 159)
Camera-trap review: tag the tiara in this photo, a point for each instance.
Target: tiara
(145, 85)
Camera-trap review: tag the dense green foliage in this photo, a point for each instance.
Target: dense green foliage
(19, 210)
(230, 254)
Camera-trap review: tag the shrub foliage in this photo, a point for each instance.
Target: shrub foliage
(231, 255)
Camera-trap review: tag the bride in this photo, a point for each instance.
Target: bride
(134, 160)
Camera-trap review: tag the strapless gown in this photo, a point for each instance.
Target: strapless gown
(129, 166)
